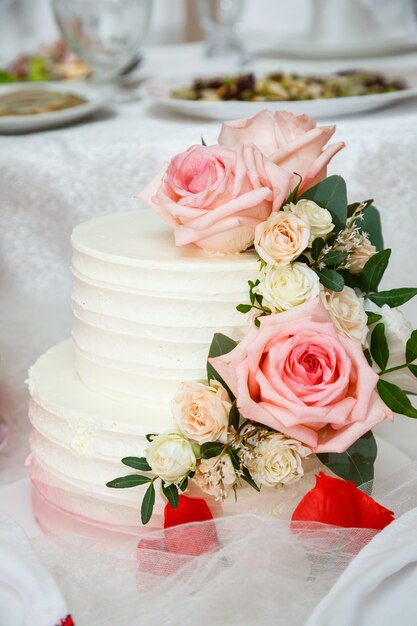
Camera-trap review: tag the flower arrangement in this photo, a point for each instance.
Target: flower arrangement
(311, 375)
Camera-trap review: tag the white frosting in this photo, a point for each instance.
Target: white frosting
(145, 310)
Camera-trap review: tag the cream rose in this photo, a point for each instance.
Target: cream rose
(278, 459)
(360, 256)
(283, 287)
(216, 476)
(319, 219)
(202, 411)
(397, 332)
(171, 457)
(281, 238)
(347, 312)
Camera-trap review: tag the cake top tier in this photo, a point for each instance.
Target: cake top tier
(142, 239)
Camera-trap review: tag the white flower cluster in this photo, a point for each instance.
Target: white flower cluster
(285, 282)
(202, 413)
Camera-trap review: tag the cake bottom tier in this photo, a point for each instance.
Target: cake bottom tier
(79, 437)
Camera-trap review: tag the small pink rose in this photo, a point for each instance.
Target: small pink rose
(292, 141)
(215, 196)
(296, 375)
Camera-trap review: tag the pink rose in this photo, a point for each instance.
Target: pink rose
(215, 196)
(291, 141)
(296, 375)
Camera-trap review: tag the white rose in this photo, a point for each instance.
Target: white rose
(282, 238)
(278, 459)
(347, 312)
(202, 411)
(171, 457)
(319, 220)
(216, 476)
(397, 332)
(284, 287)
(360, 256)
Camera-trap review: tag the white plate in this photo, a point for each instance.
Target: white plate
(158, 91)
(307, 47)
(96, 98)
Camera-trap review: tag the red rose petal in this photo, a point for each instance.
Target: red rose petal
(190, 540)
(340, 503)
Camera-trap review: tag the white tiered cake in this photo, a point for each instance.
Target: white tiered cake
(145, 313)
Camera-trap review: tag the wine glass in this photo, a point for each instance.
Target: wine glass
(219, 19)
(106, 34)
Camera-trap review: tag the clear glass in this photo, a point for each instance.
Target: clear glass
(219, 20)
(106, 34)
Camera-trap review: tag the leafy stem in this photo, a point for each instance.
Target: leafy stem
(392, 369)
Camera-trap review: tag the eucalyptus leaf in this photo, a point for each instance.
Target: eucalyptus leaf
(356, 463)
(411, 348)
(148, 503)
(395, 398)
(374, 269)
(330, 194)
(373, 318)
(221, 344)
(331, 279)
(393, 297)
(352, 207)
(137, 463)
(379, 346)
(171, 494)
(125, 482)
(211, 449)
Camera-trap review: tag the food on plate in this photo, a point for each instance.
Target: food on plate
(35, 101)
(282, 86)
(52, 62)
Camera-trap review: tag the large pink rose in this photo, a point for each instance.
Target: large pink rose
(291, 141)
(215, 196)
(296, 375)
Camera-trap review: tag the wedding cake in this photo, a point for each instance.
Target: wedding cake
(291, 382)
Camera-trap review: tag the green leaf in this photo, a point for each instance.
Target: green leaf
(395, 398)
(356, 463)
(137, 463)
(294, 192)
(245, 475)
(124, 482)
(411, 348)
(220, 345)
(331, 279)
(413, 369)
(352, 207)
(184, 484)
(373, 318)
(379, 346)
(374, 269)
(210, 449)
(330, 194)
(234, 458)
(368, 356)
(371, 224)
(203, 143)
(303, 259)
(316, 247)
(171, 494)
(148, 503)
(234, 416)
(393, 297)
(335, 257)
(244, 308)
(151, 436)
